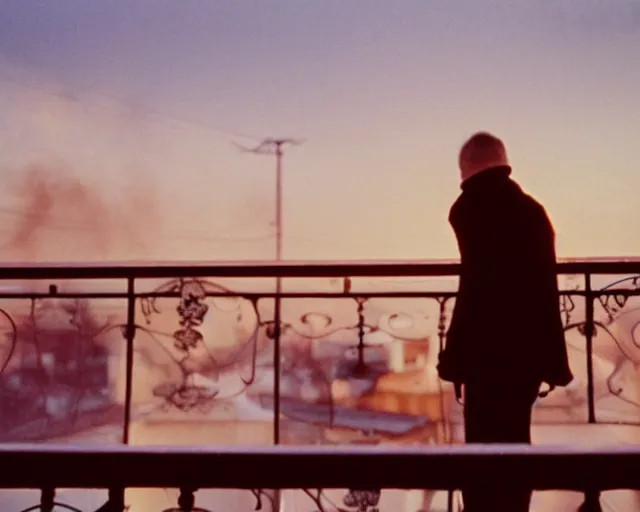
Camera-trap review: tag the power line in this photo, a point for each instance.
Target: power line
(152, 114)
(60, 223)
(266, 146)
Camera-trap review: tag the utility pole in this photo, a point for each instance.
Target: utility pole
(275, 147)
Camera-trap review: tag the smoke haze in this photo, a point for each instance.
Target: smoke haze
(88, 178)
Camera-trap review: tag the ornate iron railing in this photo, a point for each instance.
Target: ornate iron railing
(344, 354)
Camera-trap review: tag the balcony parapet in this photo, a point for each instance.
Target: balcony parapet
(304, 467)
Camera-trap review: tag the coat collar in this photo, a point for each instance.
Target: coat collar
(488, 178)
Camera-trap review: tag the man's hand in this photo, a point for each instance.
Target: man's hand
(545, 393)
(457, 386)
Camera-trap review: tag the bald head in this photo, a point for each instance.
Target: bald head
(482, 151)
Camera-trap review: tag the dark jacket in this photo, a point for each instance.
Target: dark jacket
(506, 323)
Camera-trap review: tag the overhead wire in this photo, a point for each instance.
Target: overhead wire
(151, 113)
(59, 223)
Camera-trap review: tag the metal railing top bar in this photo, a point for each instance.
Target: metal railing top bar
(281, 467)
(286, 269)
(291, 295)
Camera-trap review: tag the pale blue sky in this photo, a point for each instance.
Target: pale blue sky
(383, 93)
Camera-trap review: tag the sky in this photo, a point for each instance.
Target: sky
(120, 124)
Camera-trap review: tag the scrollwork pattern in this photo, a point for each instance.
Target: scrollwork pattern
(613, 303)
(53, 356)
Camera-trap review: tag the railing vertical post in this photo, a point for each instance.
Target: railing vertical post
(589, 331)
(115, 501)
(277, 331)
(276, 362)
(117, 496)
(442, 335)
(47, 499)
(130, 331)
(591, 502)
(592, 497)
(186, 500)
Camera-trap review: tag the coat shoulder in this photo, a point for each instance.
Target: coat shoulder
(456, 207)
(537, 212)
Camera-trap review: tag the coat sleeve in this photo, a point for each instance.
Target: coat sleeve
(454, 362)
(555, 361)
(450, 359)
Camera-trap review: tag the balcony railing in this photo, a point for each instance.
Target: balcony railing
(196, 356)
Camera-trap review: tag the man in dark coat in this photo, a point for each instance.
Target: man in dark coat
(506, 336)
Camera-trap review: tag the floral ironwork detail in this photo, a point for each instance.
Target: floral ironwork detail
(356, 500)
(362, 500)
(613, 299)
(613, 303)
(198, 388)
(567, 308)
(192, 311)
(187, 396)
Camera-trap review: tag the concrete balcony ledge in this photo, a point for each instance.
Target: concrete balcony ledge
(364, 467)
